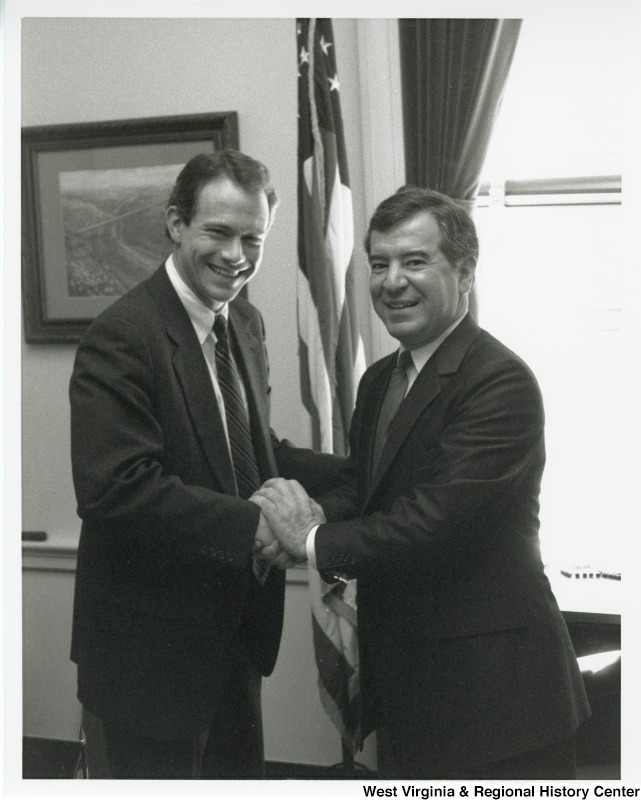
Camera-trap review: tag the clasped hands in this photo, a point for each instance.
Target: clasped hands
(288, 514)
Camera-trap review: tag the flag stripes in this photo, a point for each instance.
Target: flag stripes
(336, 647)
(332, 357)
(330, 346)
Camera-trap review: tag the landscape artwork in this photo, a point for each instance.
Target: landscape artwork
(114, 227)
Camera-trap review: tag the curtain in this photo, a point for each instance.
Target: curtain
(453, 74)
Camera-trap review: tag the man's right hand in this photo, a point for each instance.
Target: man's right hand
(290, 512)
(268, 548)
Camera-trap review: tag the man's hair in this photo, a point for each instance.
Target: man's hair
(458, 239)
(249, 174)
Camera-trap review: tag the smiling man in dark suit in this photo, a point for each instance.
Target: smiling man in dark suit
(174, 618)
(467, 669)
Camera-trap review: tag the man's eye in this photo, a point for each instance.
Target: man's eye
(253, 241)
(377, 267)
(415, 263)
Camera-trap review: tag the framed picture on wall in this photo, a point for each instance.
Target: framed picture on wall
(93, 201)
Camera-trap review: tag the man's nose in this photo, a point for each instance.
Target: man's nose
(395, 278)
(233, 250)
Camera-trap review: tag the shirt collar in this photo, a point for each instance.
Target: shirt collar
(202, 317)
(422, 355)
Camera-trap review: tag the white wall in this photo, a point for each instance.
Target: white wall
(50, 708)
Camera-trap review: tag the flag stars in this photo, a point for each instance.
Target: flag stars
(334, 85)
(304, 56)
(325, 45)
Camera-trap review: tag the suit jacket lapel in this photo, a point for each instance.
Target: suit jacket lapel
(193, 376)
(427, 386)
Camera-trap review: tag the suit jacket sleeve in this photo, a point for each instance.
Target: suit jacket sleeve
(127, 476)
(489, 448)
(317, 473)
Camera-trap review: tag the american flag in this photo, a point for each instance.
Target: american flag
(331, 350)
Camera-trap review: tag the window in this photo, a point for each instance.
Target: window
(553, 275)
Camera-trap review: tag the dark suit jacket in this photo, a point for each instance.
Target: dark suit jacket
(463, 648)
(164, 582)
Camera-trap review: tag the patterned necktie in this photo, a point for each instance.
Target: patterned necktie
(393, 398)
(238, 431)
(242, 449)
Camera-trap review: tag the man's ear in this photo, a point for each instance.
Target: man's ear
(174, 223)
(467, 271)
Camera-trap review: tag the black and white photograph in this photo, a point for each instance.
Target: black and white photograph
(322, 358)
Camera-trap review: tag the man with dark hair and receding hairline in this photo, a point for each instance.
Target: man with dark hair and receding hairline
(467, 668)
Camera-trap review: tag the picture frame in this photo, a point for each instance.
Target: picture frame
(93, 200)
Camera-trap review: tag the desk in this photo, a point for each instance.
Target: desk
(591, 608)
(589, 603)
(597, 597)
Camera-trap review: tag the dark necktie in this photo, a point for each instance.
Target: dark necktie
(238, 431)
(242, 449)
(393, 398)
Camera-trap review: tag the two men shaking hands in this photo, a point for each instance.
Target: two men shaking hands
(466, 667)
(288, 515)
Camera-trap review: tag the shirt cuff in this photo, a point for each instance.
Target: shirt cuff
(309, 546)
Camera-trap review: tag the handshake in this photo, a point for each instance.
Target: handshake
(288, 514)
